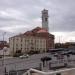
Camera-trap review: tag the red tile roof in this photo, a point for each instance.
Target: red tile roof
(42, 31)
(38, 32)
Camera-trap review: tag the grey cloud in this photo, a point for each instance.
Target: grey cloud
(61, 14)
(63, 17)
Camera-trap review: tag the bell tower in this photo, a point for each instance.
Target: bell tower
(45, 19)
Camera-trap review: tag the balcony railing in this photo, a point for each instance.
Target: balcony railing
(70, 71)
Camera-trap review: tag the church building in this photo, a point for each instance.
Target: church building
(37, 39)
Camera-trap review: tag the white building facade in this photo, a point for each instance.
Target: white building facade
(27, 43)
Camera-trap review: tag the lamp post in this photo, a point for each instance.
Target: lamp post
(4, 68)
(3, 48)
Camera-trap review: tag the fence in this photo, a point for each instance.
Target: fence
(70, 71)
(60, 72)
(19, 66)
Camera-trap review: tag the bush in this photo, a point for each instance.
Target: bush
(34, 52)
(17, 53)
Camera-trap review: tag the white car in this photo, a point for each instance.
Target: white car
(24, 56)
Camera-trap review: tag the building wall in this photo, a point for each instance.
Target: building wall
(25, 44)
(49, 39)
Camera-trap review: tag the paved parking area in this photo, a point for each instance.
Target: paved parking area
(34, 61)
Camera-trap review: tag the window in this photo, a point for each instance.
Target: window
(21, 45)
(45, 19)
(31, 40)
(16, 48)
(25, 40)
(16, 44)
(17, 39)
(21, 40)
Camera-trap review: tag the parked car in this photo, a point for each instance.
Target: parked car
(55, 54)
(24, 56)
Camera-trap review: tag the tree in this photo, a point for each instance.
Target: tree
(33, 52)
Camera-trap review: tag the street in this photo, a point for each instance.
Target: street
(33, 62)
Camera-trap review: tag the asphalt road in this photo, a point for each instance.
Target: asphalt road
(25, 63)
(31, 62)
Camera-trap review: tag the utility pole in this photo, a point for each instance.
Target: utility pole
(4, 48)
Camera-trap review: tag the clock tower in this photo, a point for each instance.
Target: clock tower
(45, 19)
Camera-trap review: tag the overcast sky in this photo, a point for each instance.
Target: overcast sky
(18, 16)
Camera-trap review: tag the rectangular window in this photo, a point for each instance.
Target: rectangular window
(17, 39)
(21, 39)
(21, 45)
(16, 48)
(45, 19)
(16, 45)
(21, 48)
